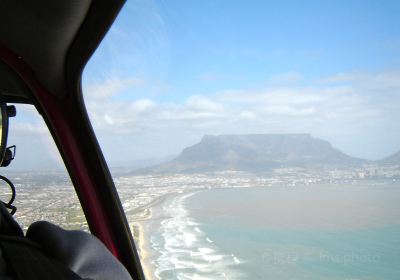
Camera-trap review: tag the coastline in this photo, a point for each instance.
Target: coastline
(140, 229)
(167, 262)
(144, 218)
(180, 232)
(143, 249)
(143, 246)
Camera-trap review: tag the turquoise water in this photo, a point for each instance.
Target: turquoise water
(282, 254)
(332, 232)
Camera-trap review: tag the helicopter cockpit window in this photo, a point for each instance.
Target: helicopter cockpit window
(31, 162)
(254, 139)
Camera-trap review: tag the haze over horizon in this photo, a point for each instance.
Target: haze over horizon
(167, 74)
(307, 144)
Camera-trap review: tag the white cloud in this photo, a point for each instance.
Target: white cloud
(289, 111)
(338, 107)
(349, 100)
(142, 105)
(110, 87)
(201, 103)
(356, 112)
(247, 115)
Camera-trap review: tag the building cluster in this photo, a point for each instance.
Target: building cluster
(51, 197)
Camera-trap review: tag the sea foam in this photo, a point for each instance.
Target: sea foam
(184, 250)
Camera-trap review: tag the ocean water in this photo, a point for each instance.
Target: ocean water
(343, 232)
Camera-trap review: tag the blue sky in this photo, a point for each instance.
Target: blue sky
(169, 72)
(243, 43)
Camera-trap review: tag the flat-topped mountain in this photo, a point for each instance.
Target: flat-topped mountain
(255, 153)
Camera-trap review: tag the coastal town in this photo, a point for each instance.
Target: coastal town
(50, 196)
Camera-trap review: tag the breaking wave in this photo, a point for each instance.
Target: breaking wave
(185, 251)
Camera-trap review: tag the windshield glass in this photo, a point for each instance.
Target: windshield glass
(44, 191)
(254, 140)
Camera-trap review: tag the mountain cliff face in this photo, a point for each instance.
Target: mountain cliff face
(391, 160)
(255, 153)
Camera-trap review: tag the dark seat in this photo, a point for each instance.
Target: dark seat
(50, 252)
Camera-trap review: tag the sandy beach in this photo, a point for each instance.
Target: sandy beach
(141, 220)
(143, 247)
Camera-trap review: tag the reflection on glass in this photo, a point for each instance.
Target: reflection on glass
(254, 141)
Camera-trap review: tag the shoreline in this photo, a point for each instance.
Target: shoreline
(140, 230)
(144, 253)
(143, 225)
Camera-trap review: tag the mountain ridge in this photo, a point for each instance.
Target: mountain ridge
(255, 153)
(392, 159)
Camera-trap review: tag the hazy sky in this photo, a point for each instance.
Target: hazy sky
(169, 72)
